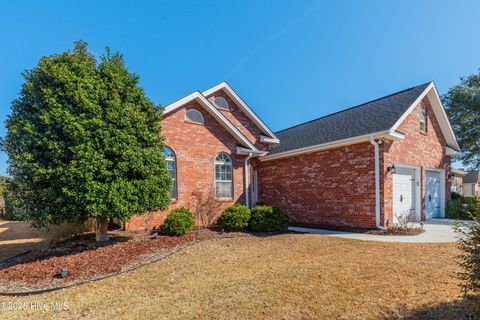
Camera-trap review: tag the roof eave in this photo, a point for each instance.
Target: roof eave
(388, 134)
(217, 115)
(243, 106)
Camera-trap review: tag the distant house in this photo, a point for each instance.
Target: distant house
(457, 180)
(471, 184)
(361, 167)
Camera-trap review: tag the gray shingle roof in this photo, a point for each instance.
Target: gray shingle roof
(471, 177)
(374, 116)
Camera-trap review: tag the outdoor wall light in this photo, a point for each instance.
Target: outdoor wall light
(392, 169)
(451, 176)
(64, 273)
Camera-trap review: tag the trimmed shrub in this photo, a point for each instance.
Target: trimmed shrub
(235, 217)
(268, 219)
(178, 222)
(465, 208)
(469, 243)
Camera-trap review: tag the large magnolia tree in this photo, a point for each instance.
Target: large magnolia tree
(463, 107)
(85, 142)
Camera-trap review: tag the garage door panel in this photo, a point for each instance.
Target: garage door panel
(432, 194)
(403, 192)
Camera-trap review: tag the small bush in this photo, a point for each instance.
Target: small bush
(268, 219)
(178, 222)
(235, 217)
(456, 195)
(469, 243)
(465, 208)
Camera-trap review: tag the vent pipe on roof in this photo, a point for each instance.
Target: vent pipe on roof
(377, 183)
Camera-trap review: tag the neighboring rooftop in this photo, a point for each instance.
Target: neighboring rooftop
(374, 116)
(471, 177)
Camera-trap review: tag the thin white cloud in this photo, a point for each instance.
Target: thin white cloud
(275, 36)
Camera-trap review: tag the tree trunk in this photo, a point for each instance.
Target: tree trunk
(101, 228)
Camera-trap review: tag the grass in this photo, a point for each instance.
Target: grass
(289, 276)
(17, 237)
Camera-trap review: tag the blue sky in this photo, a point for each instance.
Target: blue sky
(291, 61)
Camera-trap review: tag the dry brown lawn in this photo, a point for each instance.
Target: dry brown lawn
(17, 237)
(289, 276)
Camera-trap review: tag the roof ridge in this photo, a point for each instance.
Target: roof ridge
(354, 107)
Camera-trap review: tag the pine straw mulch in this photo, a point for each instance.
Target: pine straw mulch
(88, 260)
(398, 231)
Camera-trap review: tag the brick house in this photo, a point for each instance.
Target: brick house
(362, 167)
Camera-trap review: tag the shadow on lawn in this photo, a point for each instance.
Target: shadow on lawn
(73, 245)
(467, 308)
(216, 228)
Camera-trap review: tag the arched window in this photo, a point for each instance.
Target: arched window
(172, 169)
(223, 176)
(221, 102)
(194, 115)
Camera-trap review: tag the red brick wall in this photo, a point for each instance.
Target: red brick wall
(238, 118)
(426, 150)
(337, 188)
(195, 147)
(333, 188)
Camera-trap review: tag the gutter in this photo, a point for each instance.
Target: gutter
(247, 200)
(389, 134)
(377, 183)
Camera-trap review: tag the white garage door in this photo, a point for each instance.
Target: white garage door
(432, 194)
(403, 193)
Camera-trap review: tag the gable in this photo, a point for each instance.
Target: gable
(410, 126)
(431, 94)
(214, 113)
(239, 119)
(268, 136)
(206, 138)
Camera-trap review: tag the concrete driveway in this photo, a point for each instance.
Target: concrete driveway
(436, 230)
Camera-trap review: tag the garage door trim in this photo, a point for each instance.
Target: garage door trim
(442, 190)
(417, 191)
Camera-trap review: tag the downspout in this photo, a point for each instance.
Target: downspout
(377, 183)
(247, 200)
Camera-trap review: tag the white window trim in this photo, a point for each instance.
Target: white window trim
(219, 106)
(423, 117)
(196, 111)
(175, 181)
(215, 175)
(215, 113)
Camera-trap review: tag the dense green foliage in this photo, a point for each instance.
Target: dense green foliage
(178, 222)
(84, 142)
(469, 243)
(463, 208)
(462, 103)
(235, 217)
(268, 219)
(3, 185)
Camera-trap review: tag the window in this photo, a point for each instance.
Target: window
(223, 176)
(221, 103)
(172, 169)
(195, 116)
(423, 118)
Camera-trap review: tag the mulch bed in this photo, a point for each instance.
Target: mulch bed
(398, 231)
(88, 260)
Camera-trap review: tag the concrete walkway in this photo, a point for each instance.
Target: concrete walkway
(436, 231)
